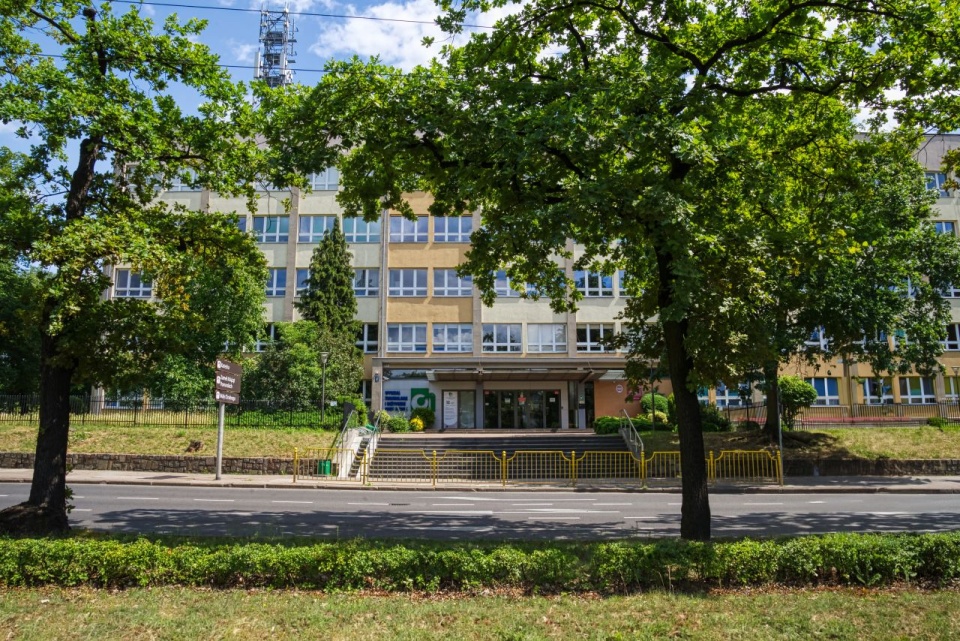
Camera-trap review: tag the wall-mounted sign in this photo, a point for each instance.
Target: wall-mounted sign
(450, 409)
(619, 389)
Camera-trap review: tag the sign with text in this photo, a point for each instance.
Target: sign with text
(228, 377)
(226, 397)
(451, 409)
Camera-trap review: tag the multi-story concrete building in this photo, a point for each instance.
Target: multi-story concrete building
(428, 340)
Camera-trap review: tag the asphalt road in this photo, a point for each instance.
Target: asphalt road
(440, 514)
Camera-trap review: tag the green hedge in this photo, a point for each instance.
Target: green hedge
(836, 559)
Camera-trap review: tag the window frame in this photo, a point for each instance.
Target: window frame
(369, 232)
(326, 180)
(262, 231)
(593, 284)
(398, 343)
(824, 386)
(404, 230)
(541, 339)
(142, 290)
(417, 289)
(311, 234)
(587, 345)
(464, 338)
(369, 339)
(366, 282)
(448, 235)
(461, 287)
(276, 289)
(924, 394)
(503, 338)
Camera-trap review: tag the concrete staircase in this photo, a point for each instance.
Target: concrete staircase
(478, 456)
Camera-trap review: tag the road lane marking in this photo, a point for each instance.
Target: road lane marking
(554, 518)
(816, 502)
(560, 511)
(215, 500)
(368, 504)
(611, 504)
(531, 504)
(640, 517)
(468, 512)
(295, 502)
(138, 498)
(77, 509)
(451, 504)
(763, 503)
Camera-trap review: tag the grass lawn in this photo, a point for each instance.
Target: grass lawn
(869, 443)
(178, 613)
(118, 439)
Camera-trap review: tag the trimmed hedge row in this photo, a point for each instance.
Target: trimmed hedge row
(836, 559)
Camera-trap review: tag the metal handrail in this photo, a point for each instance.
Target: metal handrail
(338, 442)
(630, 435)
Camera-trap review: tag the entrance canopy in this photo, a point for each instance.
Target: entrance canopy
(440, 369)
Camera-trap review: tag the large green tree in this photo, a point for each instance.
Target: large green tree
(104, 134)
(328, 299)
(632, 128)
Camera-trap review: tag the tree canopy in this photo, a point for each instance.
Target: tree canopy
(654, 135)
(328, 299)
(104, 135)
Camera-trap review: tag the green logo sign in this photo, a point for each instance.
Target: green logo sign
(421, 397)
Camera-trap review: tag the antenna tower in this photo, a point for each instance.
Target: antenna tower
(277, 40)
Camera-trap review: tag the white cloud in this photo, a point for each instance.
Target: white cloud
(243, 52)
(397, 43)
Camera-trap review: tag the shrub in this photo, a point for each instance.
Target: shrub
(795, 395)
(713, 419)
(416, 424)
(398, 424)
(380, 418)
(606, 425)
(749, 426)
(651, 421)
(654, 401)
(672, 409)
(936, 421)
(426, 415)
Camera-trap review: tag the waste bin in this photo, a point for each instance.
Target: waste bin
(323, 467)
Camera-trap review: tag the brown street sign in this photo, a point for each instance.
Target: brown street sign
(229, 367)
(226, 397)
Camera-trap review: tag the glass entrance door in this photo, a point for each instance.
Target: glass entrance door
(521, 409)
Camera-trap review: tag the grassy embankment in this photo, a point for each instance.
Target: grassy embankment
(865, 443)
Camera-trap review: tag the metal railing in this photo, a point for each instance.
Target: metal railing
(528, 466)
(259, 414)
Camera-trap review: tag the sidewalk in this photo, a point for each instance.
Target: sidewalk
(793, 485)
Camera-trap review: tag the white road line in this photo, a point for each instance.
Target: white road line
(639, 517)
(451, 504)
(368, 504)
(763, 503)
(466, 498)
(215, 500)
(475, 512)
(4, 495)
(558, 511)
(883, 513)
(554, 518)
(295, 502)
(816, 502)
(611, 504)
(138, 498)
(467, 528)
(531, 504)
(77, 509)
(674, 503)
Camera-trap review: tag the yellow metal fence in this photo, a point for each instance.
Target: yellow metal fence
(526, 466)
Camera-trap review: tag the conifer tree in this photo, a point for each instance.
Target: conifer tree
(328, 299)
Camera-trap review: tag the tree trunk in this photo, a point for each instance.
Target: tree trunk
(695, 507)
(771, 377)
(45, 511)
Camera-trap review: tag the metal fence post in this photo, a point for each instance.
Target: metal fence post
(780, 469)
(503, 469)
(433, 469)
(711, 469)
(296, 463)
(573, 468)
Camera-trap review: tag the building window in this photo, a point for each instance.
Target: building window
(952, 388)
(623, 280)
(703, 395)
(277, 281)
(407, 337)
(183, 182)
(303, 275)
(357, 230)
(593, 285)
(502, 337)
(828, 390)
(945, 227)
(326, 180)
(503, 285)
(452, 337)
(408, 282)
(877, 392)
(447, 283)
(732, 396)
(951, 292)
(369, 339)
(817, 340)
(452, 229)
(314, 228)
(271, 229)
(546, 337)
(366, 391)
(935, 180)
(130, 284)
(952, 344)
(242, 223)
(366, 282)
(403, 230)
(916, 390)
(592, 337)
(269, 335)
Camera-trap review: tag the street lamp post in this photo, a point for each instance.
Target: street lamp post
(324, 357)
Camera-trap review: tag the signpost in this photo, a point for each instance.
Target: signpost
(226, 392)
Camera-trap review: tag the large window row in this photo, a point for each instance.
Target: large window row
(541, 338)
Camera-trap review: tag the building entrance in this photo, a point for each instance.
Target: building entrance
(521, 409)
